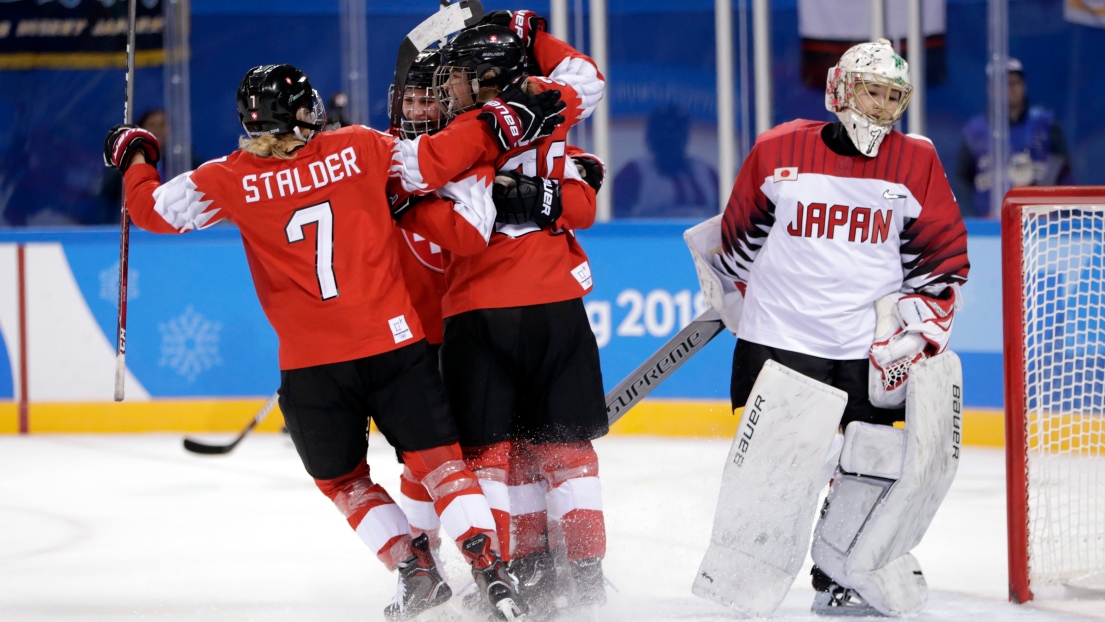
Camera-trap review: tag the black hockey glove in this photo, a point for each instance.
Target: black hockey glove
(517, 118)
(400, 204)
(590, 169)
(520, 199)
(123, 141)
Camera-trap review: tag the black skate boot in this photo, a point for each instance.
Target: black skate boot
(536, 576)
(833, 599)
(420, 584)
(496, 587)
(589, 580)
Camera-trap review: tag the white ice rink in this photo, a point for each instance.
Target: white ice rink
(106, 528)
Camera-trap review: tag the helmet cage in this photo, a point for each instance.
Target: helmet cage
(878, 109)
(457, 89)
(412, 128)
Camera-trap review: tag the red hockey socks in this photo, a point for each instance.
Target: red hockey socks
(489, 463)
(379, 523)
(457, 498)
(419, 508)
(526, 488)
(575, 496)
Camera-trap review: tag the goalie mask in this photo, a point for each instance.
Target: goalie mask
(415, 111)
(270, 98)
(483, 57)
(868, 89)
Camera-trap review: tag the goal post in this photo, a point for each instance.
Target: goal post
(1053, 282)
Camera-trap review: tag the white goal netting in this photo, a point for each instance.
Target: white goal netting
(1063, 274)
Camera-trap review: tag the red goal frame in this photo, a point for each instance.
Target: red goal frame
(1016, 476)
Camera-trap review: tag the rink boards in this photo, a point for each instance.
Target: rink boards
(201, 355)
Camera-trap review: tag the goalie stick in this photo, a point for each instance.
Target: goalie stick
(204, 448)
(663, 363)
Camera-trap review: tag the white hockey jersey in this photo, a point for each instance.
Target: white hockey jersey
(818, 237)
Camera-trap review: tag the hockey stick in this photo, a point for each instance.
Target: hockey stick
(663, 363)
(440, 25)
(124, 220)
(204, 448)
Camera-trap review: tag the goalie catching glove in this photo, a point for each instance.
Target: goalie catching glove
(518, 118)
(521, 199)
(123, 141)
(910, 328)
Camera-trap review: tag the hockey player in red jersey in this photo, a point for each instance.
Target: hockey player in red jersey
(527, 284)
(824, 220)
(316, 227)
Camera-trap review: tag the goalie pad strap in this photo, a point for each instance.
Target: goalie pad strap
(769, 490)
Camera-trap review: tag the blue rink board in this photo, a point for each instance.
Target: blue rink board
(197, 288)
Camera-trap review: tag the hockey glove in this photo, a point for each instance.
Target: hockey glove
(520, 199)
(123, 141)
(517, 118)
(591, 169)
(402, 203)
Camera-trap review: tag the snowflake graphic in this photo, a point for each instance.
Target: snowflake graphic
(109, 284)
(190, 344)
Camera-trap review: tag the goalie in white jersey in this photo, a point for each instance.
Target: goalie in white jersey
(824, 220)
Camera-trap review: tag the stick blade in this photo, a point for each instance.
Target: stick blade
(197, 447)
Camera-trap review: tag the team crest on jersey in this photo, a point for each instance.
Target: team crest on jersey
(427, 253)
(786, 173)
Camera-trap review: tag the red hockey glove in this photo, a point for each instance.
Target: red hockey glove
(521, 199)
(518, 118)
(123, 141)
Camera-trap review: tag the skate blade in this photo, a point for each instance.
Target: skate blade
(822, 607)
(510, 611)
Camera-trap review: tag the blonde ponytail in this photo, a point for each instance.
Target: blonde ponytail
(271, 145)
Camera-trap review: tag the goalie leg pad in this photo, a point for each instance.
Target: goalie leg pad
(876, 513)
(769, 490)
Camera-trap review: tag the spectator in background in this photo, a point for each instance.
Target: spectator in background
(336, 115)
(1037, 151)
(667, 183)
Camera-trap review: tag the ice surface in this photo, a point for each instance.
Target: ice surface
(124, 527)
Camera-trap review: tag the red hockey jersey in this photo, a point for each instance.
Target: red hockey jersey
(522, 264)
(317, 232)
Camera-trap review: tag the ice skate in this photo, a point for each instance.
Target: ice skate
(833, 599)
(536, 576)
(421, 587)
(496, 588)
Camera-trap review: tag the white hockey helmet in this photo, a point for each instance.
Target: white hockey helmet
(868, 89)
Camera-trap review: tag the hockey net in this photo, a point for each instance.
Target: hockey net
(1053, 257)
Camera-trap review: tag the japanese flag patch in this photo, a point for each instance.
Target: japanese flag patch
(786, 173)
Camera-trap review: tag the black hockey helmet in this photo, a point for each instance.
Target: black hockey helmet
(420, 77)
(419, 86)
(269, 97)
(487, 49)
(483, 56)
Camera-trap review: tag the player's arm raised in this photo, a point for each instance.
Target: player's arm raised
(175, 207)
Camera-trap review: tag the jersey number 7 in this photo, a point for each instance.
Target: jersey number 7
(323, 216)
